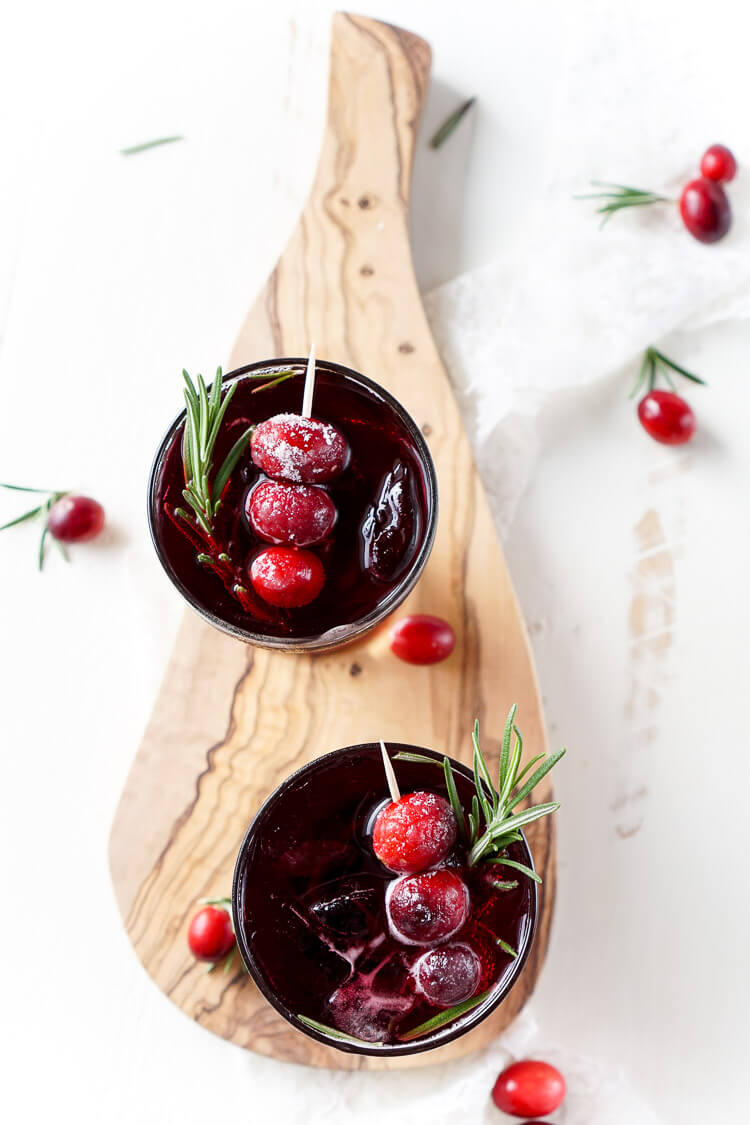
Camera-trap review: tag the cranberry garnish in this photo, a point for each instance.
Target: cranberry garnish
(74, 519)
(388, 526)
(705, 210)
(210, 934)
(422, 639)
(415, 832)
(298, 514)
(301, 450)
(428, 908)
(287, 578)
(448, 975)
(529, 1089)
(718, 164)
(666, 417)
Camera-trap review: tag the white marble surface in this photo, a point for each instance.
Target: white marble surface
(115, 272)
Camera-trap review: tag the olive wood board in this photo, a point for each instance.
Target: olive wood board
(230, 721)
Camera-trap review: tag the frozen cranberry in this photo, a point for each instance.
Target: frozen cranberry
(705, 210)
(298, 514)
(428, 908)
(287, 578)
(529, 1089)
(718, 164)
(74, 519)
(301, 450)
(422, 639)
(666, 417)
(448, 975)
(210, 934)
(415, 832)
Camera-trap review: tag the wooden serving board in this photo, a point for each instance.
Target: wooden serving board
(231, 721)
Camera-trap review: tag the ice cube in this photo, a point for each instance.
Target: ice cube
(349, 907)
(387, 529)
(358, 1010)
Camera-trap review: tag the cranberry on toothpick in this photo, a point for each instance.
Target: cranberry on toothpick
(448, 974)
(719, 164)
(428, 908)
(291, 515)
(287, 578)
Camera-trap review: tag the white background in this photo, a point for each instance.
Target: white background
(114, 273)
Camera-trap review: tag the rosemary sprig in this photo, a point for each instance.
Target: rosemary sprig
(335, 1034)
(447, 1016)
(450, 123)
(39, 511)
(501, 824)
(616, 197)
(506, 948)
(654, 364)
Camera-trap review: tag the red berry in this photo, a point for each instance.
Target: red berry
(666, 417)
(718, 164)
(210, 934)
(705, 210)
(414, 833)
(529, 1089)
(428, 908)
(448, 975)
(74, 519)
(287, 578)
(301, 450)
(422, 639)
(297, 514)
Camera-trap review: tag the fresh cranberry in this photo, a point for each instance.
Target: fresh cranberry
(705, 210)
(74, 519)
(298, 514)
(448, 975)
(529, 1089)
(415, 832)
(287, 578)
(718, 164)
(210, 934)
(666, 417)
(422, 639)
(301, 450)
(428, 908)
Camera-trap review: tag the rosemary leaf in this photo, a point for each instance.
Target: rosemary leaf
(22, 519)
(229, 464)
(334, 1033)
(450, 123)
(536, 777)
(442, 1018)
(408, 756)
(506, 948)
(528, 871)
(146, 145)
(450, 783)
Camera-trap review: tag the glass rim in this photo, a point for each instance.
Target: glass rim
(339, 635)
(439, 1038)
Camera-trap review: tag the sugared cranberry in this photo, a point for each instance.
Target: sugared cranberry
(705, 210)
(210, 934)
(666, 417)
(422, 639)
(529, 1089)
(428, 908)
(74, 519)
(718, 164)
(448, 975)
(415, 832)
(301, 450)
(287, 578)
(297, 514)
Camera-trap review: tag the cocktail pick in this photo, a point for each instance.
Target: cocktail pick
(389, 774)
(307, 397)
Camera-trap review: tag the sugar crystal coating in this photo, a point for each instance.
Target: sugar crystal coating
(428, 908)
(300, 450)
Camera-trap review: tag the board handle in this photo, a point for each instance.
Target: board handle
(379, 76)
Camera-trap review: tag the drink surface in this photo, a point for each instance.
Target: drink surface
(310, 902)
(381, 494)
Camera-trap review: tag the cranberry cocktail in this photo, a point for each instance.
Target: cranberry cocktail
(382, 926)
(295, 531)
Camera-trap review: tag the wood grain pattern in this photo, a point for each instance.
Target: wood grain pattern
(230, 721)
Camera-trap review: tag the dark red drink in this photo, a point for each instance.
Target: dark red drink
(373, 546)
(309, 902)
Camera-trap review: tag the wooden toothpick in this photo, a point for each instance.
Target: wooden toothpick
(389, 774)
(307, 397)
